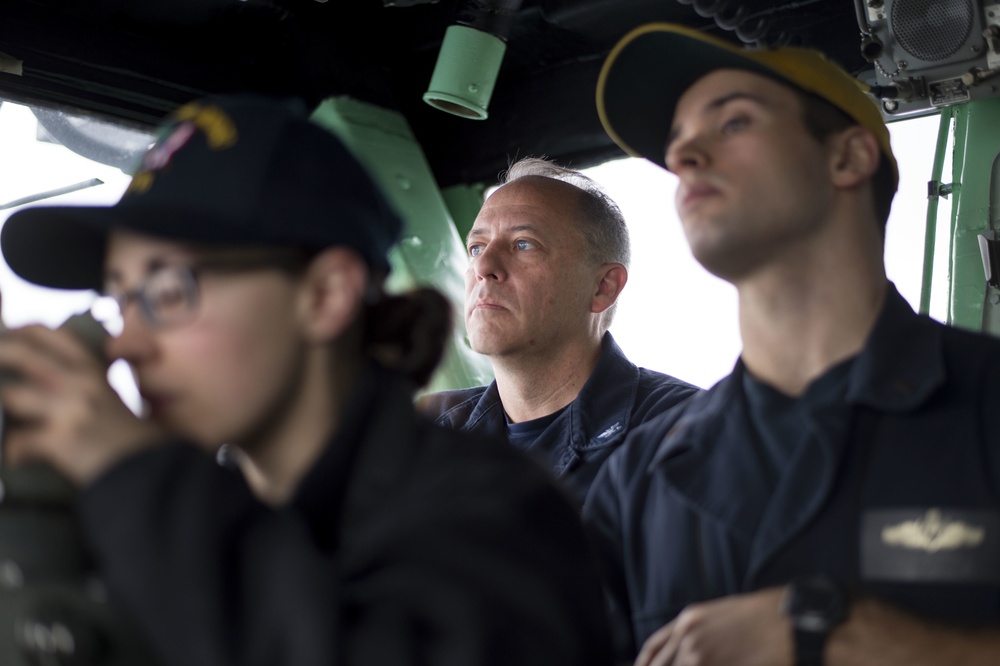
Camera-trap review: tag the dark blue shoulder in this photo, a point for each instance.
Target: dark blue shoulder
(658, 393)
(434, 405)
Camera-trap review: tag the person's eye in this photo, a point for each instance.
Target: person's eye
(735, 124)
(475, 250)
(524, 244)
(166, 296)
(166, 293)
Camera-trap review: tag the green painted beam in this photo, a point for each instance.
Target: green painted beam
(431, 250)
(977, 142)
(464, 202)
(991, 300)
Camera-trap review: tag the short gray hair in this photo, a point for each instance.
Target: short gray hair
(604, 232)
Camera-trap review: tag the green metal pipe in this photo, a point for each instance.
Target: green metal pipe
(930, 229)
(466, 72)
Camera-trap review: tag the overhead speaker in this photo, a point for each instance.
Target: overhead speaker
(932, 31)
(927, 54)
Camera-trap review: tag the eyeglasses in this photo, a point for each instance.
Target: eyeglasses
(168, 297)
(170, 294)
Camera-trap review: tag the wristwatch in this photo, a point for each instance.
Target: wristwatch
(815, 605)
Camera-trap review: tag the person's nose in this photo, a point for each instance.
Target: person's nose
(686, 152)
(136, 342)
(489, 263)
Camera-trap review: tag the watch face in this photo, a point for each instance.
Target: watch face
(816, 604)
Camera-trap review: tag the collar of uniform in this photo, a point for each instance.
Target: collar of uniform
(900, 366)
(600, 413)
(902, 362)
(364, 460)
(597, 417)
(704, 458)
(487, 411)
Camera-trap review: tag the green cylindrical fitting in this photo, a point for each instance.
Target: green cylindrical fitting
(466, 71)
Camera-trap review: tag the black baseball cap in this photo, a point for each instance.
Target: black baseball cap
(651, 67)
(238, 170)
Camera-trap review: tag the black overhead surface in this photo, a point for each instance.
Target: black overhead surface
(135, 61)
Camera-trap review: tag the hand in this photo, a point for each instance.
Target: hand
(877, 634)
(62, 409)
(741, 630)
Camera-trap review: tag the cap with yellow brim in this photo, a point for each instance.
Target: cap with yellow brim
(651, 67)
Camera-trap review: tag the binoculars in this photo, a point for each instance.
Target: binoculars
(54, 608)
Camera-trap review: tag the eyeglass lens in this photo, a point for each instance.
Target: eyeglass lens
(168, 296)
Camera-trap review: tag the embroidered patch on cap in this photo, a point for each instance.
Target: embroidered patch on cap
(217, 127)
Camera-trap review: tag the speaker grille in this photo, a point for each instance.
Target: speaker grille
(931, 29)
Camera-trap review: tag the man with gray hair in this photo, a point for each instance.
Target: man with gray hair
(548, 257)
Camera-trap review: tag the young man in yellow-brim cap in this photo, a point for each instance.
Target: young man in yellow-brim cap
(834, 499)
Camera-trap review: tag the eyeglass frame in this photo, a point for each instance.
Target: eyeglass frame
(289, 260)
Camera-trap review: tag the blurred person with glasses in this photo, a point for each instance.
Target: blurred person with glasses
(244, 267)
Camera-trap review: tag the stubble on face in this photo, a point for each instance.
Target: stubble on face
(753, 179)
(528, 286)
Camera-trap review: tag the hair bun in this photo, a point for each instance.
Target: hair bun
(407, 332)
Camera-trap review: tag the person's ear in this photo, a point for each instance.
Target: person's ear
(333, 291)
(611, 281)
(855, 156)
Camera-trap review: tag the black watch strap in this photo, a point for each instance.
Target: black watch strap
(815, 605)
(809, 647)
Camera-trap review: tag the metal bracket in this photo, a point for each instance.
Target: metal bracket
(936, 188)
(989, 247)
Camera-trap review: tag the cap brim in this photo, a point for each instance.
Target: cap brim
(56, 247)
(64, 247)
(645, 75)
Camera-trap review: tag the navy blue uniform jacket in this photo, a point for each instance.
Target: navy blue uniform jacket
(404, 544)
(894, 492)
(617, 397)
